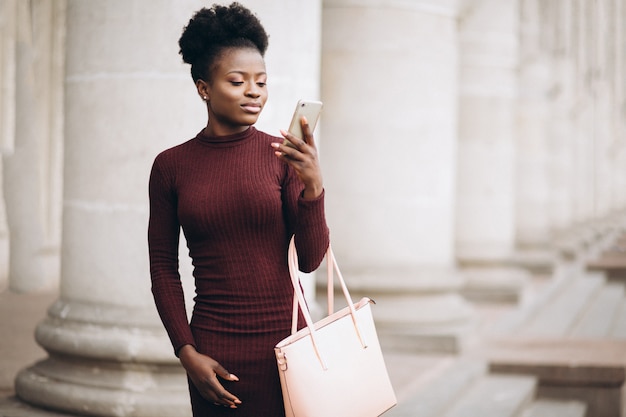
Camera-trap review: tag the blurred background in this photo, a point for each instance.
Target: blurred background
(474, 158)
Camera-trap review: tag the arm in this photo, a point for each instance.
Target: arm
(303, 198)
(163, 241)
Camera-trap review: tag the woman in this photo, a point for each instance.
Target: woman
(239, 195)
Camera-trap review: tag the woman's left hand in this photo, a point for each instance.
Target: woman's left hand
(302, 156)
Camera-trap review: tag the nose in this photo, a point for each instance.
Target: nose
(253, 90)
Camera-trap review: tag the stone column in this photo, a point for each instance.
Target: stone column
(8, 34)
(583, 114)
(128, 97)
(557, 29)
(619, 65)
(532, 220)
(33, 169)
(608, 40)
(389, 88)
(602, 36)
(488, 93)
(487, 219)
(583, 231)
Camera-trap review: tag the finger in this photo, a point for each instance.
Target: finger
(224, 374)
(227, 399)
(306, 132)
(219, 396)
(216, 393)
(286, 152)
(292, 141)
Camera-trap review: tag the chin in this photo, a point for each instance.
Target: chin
(249, 121)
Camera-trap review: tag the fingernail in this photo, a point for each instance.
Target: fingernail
(234, 377)
(275, 145)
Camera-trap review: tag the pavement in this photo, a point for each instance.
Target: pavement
(20, 314)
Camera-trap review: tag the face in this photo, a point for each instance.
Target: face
(237, 91)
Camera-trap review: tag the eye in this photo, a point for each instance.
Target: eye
(236, 83)
(261, 84)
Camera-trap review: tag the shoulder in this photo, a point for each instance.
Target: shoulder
(168, 162)
(175, 153)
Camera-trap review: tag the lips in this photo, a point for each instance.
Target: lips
(252, 107)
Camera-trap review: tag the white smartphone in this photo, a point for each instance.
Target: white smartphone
(308, 108)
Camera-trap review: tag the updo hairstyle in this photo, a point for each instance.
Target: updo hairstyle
(211, 31)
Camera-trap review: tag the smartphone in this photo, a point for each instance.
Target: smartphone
(309, 109)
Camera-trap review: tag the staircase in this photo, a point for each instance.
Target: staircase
(572, 338)
(466, 389)
(581, 306)
(561, 352)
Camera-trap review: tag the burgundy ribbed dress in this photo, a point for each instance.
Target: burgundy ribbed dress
(238, 206)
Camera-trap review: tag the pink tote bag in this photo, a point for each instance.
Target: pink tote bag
(333, 367)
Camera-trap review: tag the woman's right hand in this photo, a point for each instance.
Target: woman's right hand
(204, 372)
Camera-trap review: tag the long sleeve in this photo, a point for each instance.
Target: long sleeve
(307, 221)
(163, 241)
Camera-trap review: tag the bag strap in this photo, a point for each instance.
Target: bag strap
(300, 302)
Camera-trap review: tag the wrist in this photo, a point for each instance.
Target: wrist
(312, 192)
(186, 354)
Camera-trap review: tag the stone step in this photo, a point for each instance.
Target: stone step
(513, 321)
(501, 285)
(553, 408)
(588, 370)
(612, 262)
(558, 315)
(601, 314)
(438, 393)
(495, 396)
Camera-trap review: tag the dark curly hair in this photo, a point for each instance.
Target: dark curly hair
(211, 31)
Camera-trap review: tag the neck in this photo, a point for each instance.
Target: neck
(213, 129)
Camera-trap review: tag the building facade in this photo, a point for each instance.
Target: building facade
(455, 135)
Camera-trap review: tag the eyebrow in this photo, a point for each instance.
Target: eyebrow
(245, 73)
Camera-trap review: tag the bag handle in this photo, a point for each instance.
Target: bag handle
(300, 302)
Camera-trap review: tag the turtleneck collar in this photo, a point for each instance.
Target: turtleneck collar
(228, 140)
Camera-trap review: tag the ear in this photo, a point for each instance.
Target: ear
(203, 89)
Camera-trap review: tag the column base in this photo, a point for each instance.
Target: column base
(537, 260)
(106, 361)
(97, 388)
(434, 323)
(497, 285)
